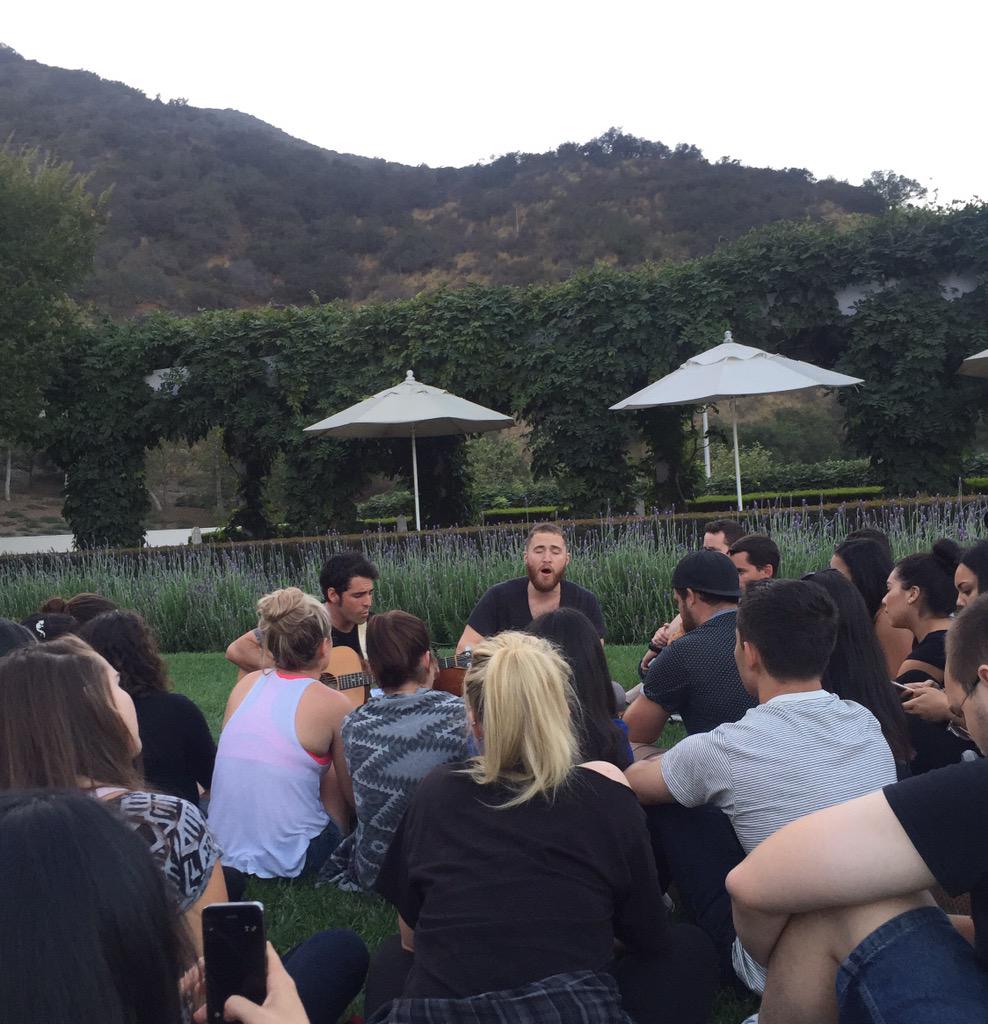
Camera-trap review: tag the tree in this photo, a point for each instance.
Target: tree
(49, 232)
(894, 189)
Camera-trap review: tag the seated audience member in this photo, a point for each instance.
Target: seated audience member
(80, 883)
(346, 582)
(177, 748)
(719, 535)
(971, 575)
(82, 607)
(696, 676)
(602, 735)
(840, 896)
(756, 557)
(921, 597)
(800, 750)
(514, 873)
(50, 625)
(856, 669)
(392, 742)
(867, 564)
(872, 533)
(14, 635)
(514, 603)
(276, 808)
(65, 723)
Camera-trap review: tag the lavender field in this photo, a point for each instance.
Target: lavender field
(198, 598)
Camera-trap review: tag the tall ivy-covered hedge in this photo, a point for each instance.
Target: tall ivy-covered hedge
(898, 301)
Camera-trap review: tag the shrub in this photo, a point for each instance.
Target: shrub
(830, 494)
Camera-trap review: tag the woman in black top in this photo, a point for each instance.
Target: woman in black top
(600, 737)
(178, 749)
(922, 597)
(517, 870)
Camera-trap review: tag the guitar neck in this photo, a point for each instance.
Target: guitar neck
(354, 679)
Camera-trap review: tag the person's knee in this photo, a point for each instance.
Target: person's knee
(343, 948)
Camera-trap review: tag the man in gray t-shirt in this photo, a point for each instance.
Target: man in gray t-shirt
(802, 749)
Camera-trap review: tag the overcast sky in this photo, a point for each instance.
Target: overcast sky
(840, 88)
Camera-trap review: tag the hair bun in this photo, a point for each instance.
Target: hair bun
(947, 555)
(55, 604)
(275, 606)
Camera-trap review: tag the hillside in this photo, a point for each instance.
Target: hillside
(215, 208)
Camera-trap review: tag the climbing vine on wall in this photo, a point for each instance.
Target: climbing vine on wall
(897, 300)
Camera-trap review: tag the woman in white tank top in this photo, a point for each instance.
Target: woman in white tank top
(281, 792)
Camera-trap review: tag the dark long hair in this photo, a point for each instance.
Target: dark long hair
(575, 636)
(58, 722)
(869, 564)
(90, 933)
(976, 559)
(128, 644)
(856, 669)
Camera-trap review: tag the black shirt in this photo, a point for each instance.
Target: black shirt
(505, 606)
(177, 748)
(351, 640)
(931, 650)
(696, 675)
(945, 815)
(500, 898)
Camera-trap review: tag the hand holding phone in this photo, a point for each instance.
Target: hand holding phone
(235, 954)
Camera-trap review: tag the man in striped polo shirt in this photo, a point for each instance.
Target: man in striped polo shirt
(800, 750)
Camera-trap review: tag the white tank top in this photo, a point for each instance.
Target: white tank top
(264, 805)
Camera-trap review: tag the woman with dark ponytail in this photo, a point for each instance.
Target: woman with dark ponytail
(922, 597)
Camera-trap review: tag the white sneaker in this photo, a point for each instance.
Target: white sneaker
(753, 1019)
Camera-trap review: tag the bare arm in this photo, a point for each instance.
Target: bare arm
(215, 892)
(645, 720)
(407, 935)
(850, 854)
(648, 782)
(469, 638)
(246, 653)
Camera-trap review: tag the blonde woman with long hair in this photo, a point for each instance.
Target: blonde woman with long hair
(513, 873)
(281, 793)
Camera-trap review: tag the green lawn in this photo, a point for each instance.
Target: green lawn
(295, 910)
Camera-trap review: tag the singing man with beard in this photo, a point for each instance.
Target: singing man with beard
(514, 603)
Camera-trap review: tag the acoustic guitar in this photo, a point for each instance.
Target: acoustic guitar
(345, 671)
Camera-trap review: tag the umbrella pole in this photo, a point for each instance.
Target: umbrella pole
(415, 483)
(737, 460)
(706, 443)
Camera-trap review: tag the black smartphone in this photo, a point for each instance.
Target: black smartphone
(235, 954)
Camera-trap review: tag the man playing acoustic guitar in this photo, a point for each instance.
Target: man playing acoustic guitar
(347, 585)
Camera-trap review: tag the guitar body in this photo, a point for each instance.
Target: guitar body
(450, 680)
(346, 666)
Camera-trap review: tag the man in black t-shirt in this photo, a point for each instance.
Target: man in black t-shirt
(514, 603)
(840, 897)
(347, 585)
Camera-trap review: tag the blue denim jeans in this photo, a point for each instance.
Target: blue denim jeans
(914, 969)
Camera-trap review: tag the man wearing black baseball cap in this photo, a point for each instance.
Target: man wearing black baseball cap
(696, 676)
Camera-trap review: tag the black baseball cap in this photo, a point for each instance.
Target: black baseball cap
(710, 572)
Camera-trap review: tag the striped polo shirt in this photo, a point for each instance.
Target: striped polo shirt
(789, 757)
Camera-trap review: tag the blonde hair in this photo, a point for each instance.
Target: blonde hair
(518, 688)
(293, 625)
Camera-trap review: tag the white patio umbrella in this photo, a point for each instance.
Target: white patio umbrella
(976, 365)
(730, 371)
(411, 409)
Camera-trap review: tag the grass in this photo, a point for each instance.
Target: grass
(295, 910)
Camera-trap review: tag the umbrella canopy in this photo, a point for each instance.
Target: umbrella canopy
(730, 370)
(411, 409)
(976, 365)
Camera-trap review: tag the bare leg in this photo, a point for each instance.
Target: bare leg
(800, 988)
